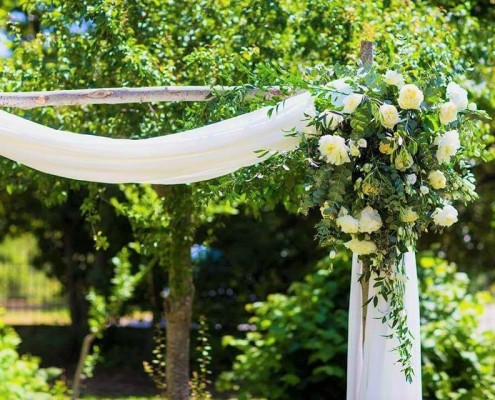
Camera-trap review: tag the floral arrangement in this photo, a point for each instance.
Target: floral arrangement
(388, 159)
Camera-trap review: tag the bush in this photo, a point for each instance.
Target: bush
(458, 360)
(21, 377)
(297, 344)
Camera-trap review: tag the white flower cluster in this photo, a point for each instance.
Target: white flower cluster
(369, 221)
(336, 150)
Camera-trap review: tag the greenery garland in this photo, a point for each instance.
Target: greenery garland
(386, 160)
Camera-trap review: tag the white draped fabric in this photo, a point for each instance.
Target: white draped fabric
(195, 155)
(372, 369)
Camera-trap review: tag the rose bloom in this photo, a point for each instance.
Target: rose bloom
(389, 116)
(393, 78)
(361, 247)
(408, 215)
(410, 97)
(424, 189)
(369, 189)
(354, 152)
(404, 160)
(447, 146)
(369, 220)
(334, 150)
(331, 120)
(437, 179)
(385, 148)
(445, 216)
(347, 224)
(412, 178)
(351, 102)
(448, 112)
(457, 95)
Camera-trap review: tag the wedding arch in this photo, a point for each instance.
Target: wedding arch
(362, 120)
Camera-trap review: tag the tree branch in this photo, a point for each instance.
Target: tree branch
(120, 95)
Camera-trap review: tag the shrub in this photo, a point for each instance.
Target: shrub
(458, 359)
(296, 346)
(21, 377)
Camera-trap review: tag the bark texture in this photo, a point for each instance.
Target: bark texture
(119, 96)
(179, 300)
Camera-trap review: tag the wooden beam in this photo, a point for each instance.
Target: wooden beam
(81, 97)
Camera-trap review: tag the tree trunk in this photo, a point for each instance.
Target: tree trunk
(178, 302)
(78, 305)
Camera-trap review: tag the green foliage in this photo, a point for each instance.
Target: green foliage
(458, 359)
(297, 344)
(21, 377)
(156, 368)
(200, 381)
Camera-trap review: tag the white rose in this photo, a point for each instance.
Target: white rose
(412, 178)
(310, 130)
(369, 220)
(424, 189)
(394, 78)
(408, 215)
(361, 247)
(362, 143)
(457, 95)
(389, 116)
(367, 167)
(348, 224)
(447, 146)
(448, 112)
(410, 97)
(340, 89)
(445, 216)
(334, 150)
(331, 120)
(354, 151)
(351, 102)
(437, 179)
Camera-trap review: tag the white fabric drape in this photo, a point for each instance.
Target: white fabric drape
(196, 155)
(372, 369)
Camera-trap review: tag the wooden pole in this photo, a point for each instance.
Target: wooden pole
(81, 97)
(366, 55)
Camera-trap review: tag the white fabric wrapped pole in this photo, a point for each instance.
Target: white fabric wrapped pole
(196, 155)
(372, 369)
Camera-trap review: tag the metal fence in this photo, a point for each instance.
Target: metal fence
(29, 296)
